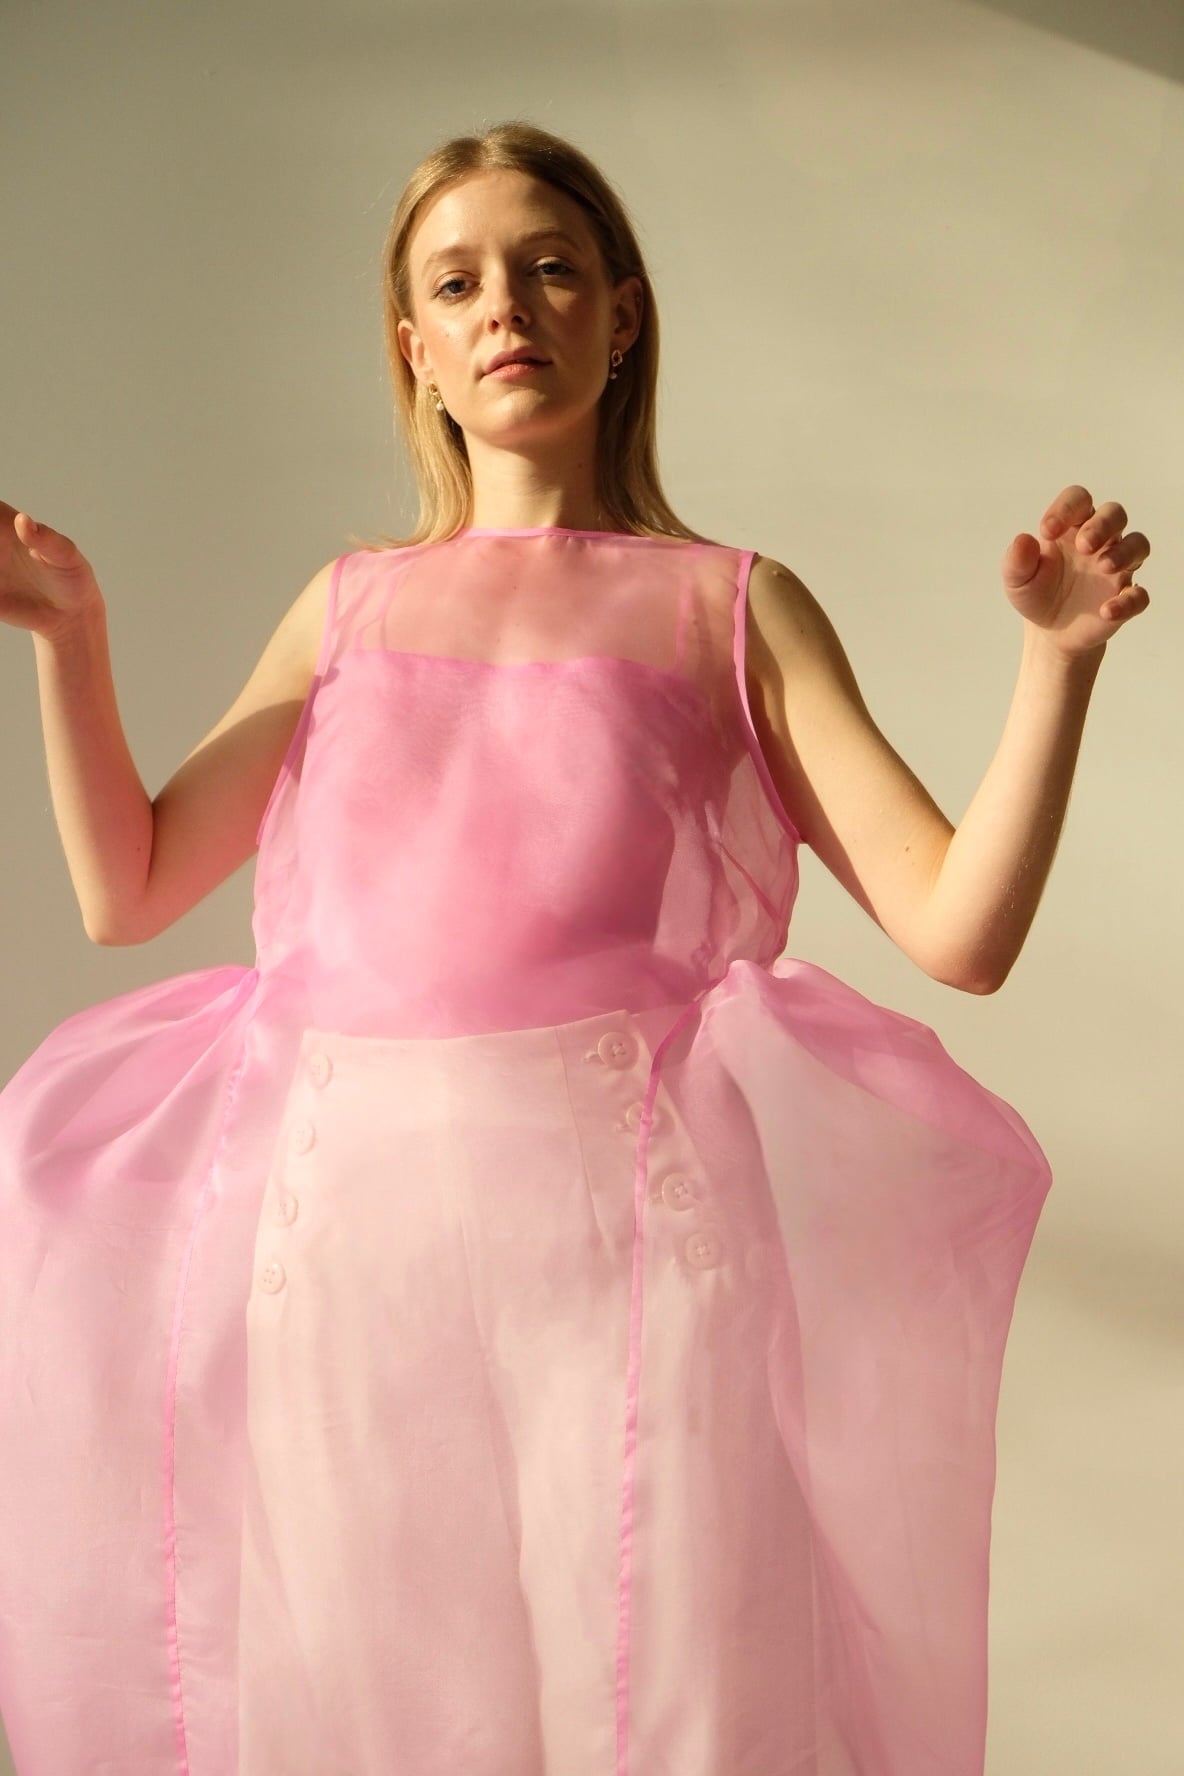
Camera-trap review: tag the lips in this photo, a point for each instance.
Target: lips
(522, 356)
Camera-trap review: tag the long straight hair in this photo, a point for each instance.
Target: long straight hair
(628, 483)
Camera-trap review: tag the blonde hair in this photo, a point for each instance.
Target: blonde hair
(629, 485)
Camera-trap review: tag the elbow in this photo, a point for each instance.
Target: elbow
(981, 984)
(96, 928)
(114, 934)
(103, 935)
(965, 983)
(965, 978)
(989, 977)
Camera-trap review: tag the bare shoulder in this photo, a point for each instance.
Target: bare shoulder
(307, 615)
(802, 692)
(285, 668)
(779, 601)
(787, 630)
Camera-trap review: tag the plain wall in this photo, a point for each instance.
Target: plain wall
(918, 268)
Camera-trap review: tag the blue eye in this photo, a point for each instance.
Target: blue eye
(543, 263)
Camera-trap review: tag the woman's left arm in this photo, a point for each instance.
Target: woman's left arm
(959, 900)
(1073, 589)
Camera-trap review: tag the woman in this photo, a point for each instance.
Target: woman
(526, 1323)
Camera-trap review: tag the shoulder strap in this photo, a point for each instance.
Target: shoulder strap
(293, 755)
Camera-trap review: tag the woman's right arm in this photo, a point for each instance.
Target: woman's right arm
(138, 864)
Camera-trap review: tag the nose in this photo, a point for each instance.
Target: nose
(506, 305)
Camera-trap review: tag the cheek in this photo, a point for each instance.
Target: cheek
(583, 309)
(582, 323)
(446, 343)
(442, 337)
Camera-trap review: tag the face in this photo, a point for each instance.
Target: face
(502, 260)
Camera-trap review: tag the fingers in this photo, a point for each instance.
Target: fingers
(1071, 507)
(1100, 529)
(1109, 521)
(48, 545)
(1126, 552)
(1125, 604)
(29, 532)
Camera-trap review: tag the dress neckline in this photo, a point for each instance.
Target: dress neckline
(551, 530)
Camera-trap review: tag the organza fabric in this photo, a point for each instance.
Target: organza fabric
(526, 1324)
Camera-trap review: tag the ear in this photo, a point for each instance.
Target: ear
(411, 346)
(628, 309)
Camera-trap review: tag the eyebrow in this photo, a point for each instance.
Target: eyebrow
(459, 248)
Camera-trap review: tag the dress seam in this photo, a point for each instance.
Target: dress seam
(170, 1521)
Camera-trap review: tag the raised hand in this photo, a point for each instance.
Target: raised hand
(45, 580)
(1075, 581)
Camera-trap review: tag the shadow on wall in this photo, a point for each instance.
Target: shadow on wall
(1150, 35)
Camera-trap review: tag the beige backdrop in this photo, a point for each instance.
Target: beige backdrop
(918, 267)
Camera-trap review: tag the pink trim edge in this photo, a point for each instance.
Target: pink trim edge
(615, 536)
(739, 635)
(289, 759)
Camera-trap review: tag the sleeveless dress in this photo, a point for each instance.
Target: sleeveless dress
(526, 1324)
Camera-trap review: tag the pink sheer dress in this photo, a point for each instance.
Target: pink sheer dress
(527, 1324)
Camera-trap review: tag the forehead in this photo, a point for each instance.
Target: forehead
(499, 208)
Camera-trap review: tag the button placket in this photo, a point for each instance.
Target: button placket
(678, 1190)
(620, 1050)
(301, 1140)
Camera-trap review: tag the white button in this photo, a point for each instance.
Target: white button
(679, 1191)
(286, 1208)
(634, 1114)
(271, 1277)
(617, 1048)
(303, 1136)
(703, 1249)
(320, 1067)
